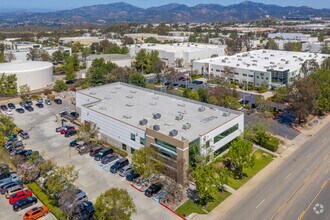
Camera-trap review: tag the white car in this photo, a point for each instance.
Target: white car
(9, 112)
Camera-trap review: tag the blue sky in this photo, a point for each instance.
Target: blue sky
(66, 4)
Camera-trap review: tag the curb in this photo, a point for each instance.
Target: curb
(136, 188)
(168, 208)
(294, 128)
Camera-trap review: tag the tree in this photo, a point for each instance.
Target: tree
(137, 79)
(76, 47)
(59, 56)
(142, 62)
(240, 151)
(271, 45)
(36, 54)
(99, 72)
(325, 49)
(202, 93)
(146, 162)
(231, 102)
(60, 178)
(10, 56)
(228, 73)
(24, 90)
(322, 77)
(281, 94)
(157, 68)
(309, 66)
(85, 53)
(128, 41)
(88, 132)
(292, 46)
(120, 74)
(70, 67)
(60, 86)
(114, 204)
(7, 124)
(8, 84)
(253, 130)
(151, 40)
(302, 98)
(2, 53)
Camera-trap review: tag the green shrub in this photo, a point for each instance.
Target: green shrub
(34, 97)
(57, 212)
(115, 149)
(271, 144)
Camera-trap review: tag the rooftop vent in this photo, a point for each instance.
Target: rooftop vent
(127, 116)
(143, 122)
(155, 97)
(201, 109)
(173, 133)
(92, 93)
(156, 116)
(181, 105)
(179, 117)
(103, 108)
(129, 104)
(153, 103)
(186, 126)
(156, 127)
(129, 96)
(225, 114)
(132, 91)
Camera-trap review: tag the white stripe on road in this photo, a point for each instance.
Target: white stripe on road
(308, 155)
(261, 203)
(287, 176)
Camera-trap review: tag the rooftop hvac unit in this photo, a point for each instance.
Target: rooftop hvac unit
(186, 126)
(173, 133)
(156, 127)
(143, 122)
(179, 117)
(132, 91)
(129, 96)
(201, 109)
(181, 105)
(225, 114)
(92, 93)
(103, 108)
(156, 116)
(129, 104)
(127, 116)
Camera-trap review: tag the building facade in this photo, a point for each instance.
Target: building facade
(131, 118)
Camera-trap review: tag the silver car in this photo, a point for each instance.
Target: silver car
(125, 170)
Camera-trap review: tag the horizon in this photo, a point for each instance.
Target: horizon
(42, 6)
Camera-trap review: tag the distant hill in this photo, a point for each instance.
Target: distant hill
(123, 12)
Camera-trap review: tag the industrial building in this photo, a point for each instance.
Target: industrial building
(121, 60)
(130, 118)
(141, 37)
(259, 67)
(36, 74)
(187, 52)
(293, 36)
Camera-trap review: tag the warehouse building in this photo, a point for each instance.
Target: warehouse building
(188, 52)
(36, 74)
(260, 67)
(131, 117)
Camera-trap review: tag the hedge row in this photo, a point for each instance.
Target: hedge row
(57, 212)
(116, 149)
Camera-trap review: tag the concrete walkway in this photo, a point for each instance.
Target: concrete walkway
(237, 195)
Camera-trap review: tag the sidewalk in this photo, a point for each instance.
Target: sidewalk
(236, 196)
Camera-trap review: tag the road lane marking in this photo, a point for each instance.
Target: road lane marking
(288, 176)
(261, 203)
(308, 155)
(324, 139)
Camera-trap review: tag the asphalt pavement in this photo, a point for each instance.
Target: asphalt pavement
(266, 200)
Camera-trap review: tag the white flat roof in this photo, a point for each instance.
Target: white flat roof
(131, 104)
(178, 47)
(263, 60)
(13, 67)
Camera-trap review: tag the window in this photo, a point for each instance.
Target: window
(266, 78)
(142, 141)
(132, 137)
(250, 75)
(132, 150)
(217, 70)
(225, 133)
(244, 74)
(166, 145)
(257, 77)
(207, 144)
(124, 147)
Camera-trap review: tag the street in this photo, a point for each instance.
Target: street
(266, 201)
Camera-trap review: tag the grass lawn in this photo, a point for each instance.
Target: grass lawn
(259, 163)
(190, 207)
(194, 77)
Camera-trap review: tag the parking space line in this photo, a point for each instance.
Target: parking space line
(260, 203)
(288, 176)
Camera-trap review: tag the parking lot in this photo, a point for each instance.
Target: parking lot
(93, 179)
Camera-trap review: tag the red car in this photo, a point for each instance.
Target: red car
(184, 78)
(19, 195)
(66, 129)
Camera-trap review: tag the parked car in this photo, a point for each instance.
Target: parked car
(11, 106)
(109, 158)
(74, 114)
(10, 176)
(22, 104)
(78, 198)
(63, 113)
(197, 82)
(4, 186)
(70, 133)
(118, 165)
(40, 105)
(153, 189)
(73, 143)
(132, 176)
(103, 153)
(20, 110)
(29, 108)
(58, 101)
(39, 100)
(29, 102)
(59, 129)
(24, 203)
(12, 190)
(125, 170)
(48, 102)
(19, 195)
(36, 213)
(9, 112)
(3, 107)
(95, 150)
(67, 128)
(85, 210)
(24, 135)
(184, 78)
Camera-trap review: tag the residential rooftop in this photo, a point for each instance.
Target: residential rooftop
(264, 60)
(144, 108)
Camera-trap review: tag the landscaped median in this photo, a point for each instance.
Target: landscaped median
(57, 212)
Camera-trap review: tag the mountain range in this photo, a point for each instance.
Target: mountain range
(123, 12)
